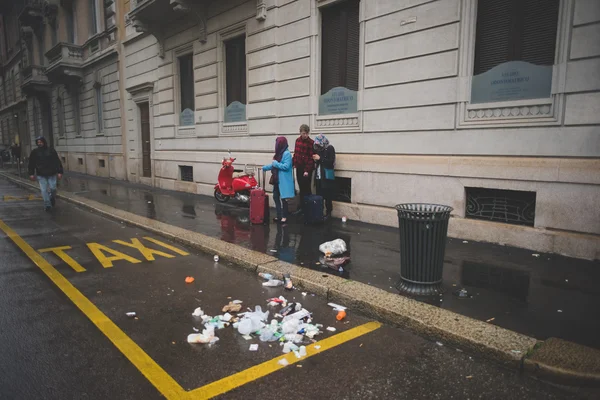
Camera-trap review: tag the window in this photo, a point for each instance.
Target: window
(101, 163)
(515, 47)
(14, 85)
(63, 159)
(60, 114)
(93, 17)
(76, 116)
(109, 13)
(340, 43)
(70, 24)
(99, 110)
(507, 206)
(186, 90)
(80, 161)
(235, 79)
(187, 173)
(343, 189)
(54, 32)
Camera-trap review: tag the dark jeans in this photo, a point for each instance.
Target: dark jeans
(281, 205)
(325, 190)
(303, 183)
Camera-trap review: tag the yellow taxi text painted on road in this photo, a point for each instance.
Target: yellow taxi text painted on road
(106, 256)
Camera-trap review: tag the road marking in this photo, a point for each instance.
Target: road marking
(146, 252)
(162, 381)
(167, 246)
(157, 376)
(98, 250)
(253, 373)
(30, 197)
(60, 252)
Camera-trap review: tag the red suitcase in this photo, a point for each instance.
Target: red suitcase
(259, 205)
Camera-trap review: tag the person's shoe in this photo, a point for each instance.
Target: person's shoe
(48, 208)
(327, 217)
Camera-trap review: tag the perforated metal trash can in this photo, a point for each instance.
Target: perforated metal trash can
(423, 234)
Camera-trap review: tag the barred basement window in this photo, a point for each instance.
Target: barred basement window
(64, 160)
(343, 190)
(80, 161)
(186, 172)
(515, 30)
(497, 205)
(102, 163)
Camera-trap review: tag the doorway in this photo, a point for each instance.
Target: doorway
(145, 129)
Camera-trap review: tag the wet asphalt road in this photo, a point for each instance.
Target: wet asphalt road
(518, 291)
(50, 350)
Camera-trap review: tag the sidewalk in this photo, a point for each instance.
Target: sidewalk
(545, 296)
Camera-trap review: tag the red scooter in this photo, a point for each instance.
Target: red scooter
(230, 186)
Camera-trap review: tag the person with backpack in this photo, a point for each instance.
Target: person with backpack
(282, 178)
(324, 158)
(45, 164)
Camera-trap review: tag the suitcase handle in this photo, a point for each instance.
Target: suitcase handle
(262, 183)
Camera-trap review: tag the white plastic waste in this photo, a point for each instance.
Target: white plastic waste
(245, 326)
(302, 351)
(273, 283)
(206, 336)
(289, 346)
(335, 247)
(198, 312)
(297, 315)
(290, 326)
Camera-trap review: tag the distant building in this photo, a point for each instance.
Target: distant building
(491, 107)
(60, 79)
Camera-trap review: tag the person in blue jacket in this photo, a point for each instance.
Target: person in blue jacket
(282, 178)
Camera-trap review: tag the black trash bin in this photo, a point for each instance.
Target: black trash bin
(423, 234)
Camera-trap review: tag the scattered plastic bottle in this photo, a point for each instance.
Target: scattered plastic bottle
(265, 276)
(216, 258)
(273, 283)
(340, 315)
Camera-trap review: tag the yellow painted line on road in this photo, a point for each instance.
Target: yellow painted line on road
(147, 366)
(253, 373)
(165, 384)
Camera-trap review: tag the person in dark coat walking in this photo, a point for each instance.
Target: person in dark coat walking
(45, 164)
(325, 175)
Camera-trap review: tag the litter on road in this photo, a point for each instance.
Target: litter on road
(198, 312)
(216, 258)
(337, 307)
(189, 279)
(253, 347)
(335, 247)
(130, 314)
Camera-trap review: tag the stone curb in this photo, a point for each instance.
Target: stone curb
(504, 346)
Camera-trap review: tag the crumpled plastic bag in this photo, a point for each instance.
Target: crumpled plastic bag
(252, 321)
(335, 247)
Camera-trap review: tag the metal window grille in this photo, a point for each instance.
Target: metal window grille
(508, 206)
(187, 173)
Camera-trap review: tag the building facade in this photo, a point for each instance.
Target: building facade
(61, 80)
(488, 106)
